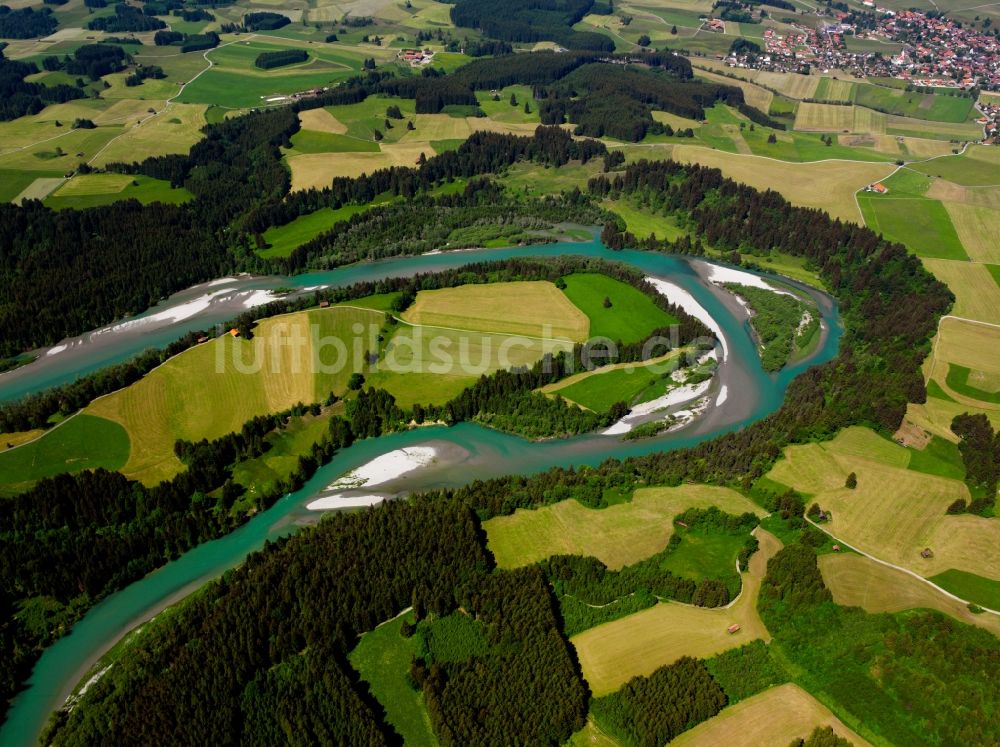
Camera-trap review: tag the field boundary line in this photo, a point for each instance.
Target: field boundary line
(907, 571)
(45, 432)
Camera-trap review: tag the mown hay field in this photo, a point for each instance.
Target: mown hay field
(894, 513)
(612, 654)
(857, 581)
(618, 535)
(828, 185)
(214, 388)
(533, 308)
(778, 716)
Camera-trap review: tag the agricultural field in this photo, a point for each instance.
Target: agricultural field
(599, 390)
(778, 716)
(857, 581)
(978, 166)
(965, 363)
(631, 316)
(834, 90)
(212, 389)
(619, 535)
(82, 442)
(173, 130)
(642, 222)
(977, 295)
(895, 512)
(977, 228)
(828, 185)
(982, 591)
(613, 653)
(283, 240)
(923, 225)
(529, 308)
(281, 459)
(933, 107)
(90, 190)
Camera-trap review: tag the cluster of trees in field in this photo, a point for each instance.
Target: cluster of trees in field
(259, 656)
(526, 688)
(617, 100)
(918, 677)
(26, 23)
(531, 21)
(980, 450)
(187, 42)
(268, 60)
(92, 60)
(19, 97)
(653, 710)
(775, 321)
(265, 21)
(126, 18)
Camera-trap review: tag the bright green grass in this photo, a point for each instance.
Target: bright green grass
(281, 459)
(936, 391)
(145, 189)
(310, 141)
(975, 168)
(382, 658)
(85, 442)
(703, 554)
(933, 107)
(923, 225)
(983, 591)
(285, 239)
(443, 146)
(378, 302)
(599, 391)
(958, 381)
(940, 457)
(802, 147)
(632, 316)
(994, 272)
(642, 222)
(365, 116)
(238, 90)
(535, 179)
(14, 182)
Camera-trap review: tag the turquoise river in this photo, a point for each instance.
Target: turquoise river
(751, 394)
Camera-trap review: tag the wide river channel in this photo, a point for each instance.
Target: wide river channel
(750, 394)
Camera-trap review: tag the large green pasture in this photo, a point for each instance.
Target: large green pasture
(285, 239)
(235, 82)
(92, 190)
(600, 390)
(935, 107)
(969, 586)
(632, 315)
(382, 658)
(923, 225)
(704, 554)
(958, 381)
(979, 166)
(84, 442)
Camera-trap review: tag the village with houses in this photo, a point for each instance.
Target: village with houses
(937, 53)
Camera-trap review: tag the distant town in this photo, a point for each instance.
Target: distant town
(937, 53)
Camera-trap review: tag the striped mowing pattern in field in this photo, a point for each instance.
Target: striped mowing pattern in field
(778, 716)
(857, 581)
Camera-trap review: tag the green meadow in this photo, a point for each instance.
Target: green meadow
(632, 315)
(93, 190)
(285, 239)
(921, 224)
(382, 658)
(978, 589)
(600, 390)
(83, 442)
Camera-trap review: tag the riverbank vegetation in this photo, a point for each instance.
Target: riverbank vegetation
(783, 324)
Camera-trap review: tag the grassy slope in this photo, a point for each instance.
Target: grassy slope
(285, 239)
(84, 442)
(602, 389)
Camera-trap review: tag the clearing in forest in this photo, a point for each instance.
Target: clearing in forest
(612, 654)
